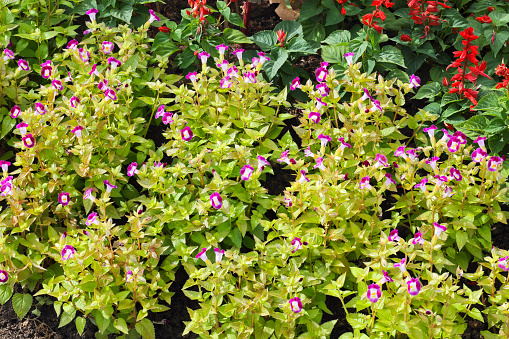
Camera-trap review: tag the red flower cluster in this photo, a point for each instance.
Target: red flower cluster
(198, 8)
(369, 19)
(425, 13)
(484, 19)
(405, 37)
(342, 2)
(468, 54)
(502, 71)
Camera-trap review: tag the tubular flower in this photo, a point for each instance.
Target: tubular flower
(441, 179)
(281, 36)
(232, 72)
(374, 293)
(114, 63)
(153, 16)
(295, 84)
(321, 74)
(84, 55)
(439, 229)
(191, 76)
(284, 157)
(263, 58)
(46, 71)
(4, 276)
(400, 152)
(107, 47)
(216, 200)
(249, 78)
(109, 186)
(323, 89)
(5, 165)
(6, 186)
(430, 130)
(344, 144)
(381, 160)
(68, 252)
(324, 139)
(63, 198)
(433, 162)
(186, 133)
(91, 13)
(349, 58)
(28, 140)
(401, 265)
(412, 154)
(493, 163)
(478, 155)
(480, 141)
(203, 56)
(74, 101)
(366, 95)
(202, 255)
(77, 131)
(456, 174)
(73, 44)
(418, 239)
(132, 169)
(23, 65)
(393, 236)
(225, 82)
(303, 177)
(103, 85)
(92, 219)
(315, 117)
(8, 54)
(167, 118)
(365, 183)
(414, 286)
(219, 254)
(320, 103)
(389, 180)
(319, 163)
(22, 128)
(386, 278)
(453, 144)
(57, 84)
(447, 192)
(295, 304)
(95, 71)
(223, 65)
(238, 53)
(16, 111)
(422, 185)
(222, 48)
(503, 263)
(308, 153)
(415, 82)
(245, 172)
(110, 94)
(297, 244)
(129, 276)
(262, 162)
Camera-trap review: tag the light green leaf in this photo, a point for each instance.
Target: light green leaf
(461, 239)
(5, 293)
(146, 329)
(67, 316)
(337, 37)
(499, 18)
(358, 47)
(334, 54)
(80, 324)
(391, 55)
(233, 36)
(101, 321)
(21, 304)
(121, 325)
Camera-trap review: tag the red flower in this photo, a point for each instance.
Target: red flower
(491, 9)
(484, 19)
(405, 37)
(164, 29)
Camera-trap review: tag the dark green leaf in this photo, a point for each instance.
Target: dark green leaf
(298, 44)
(7, 125)
(474, 126)
(358, 47)
(265, 39)
(334, 54)
(391, 55)
(334, 17)
(21, 304)
(146, 329)
(337, 37)
(291, 28)
(499, 18)
(5, 293)
(309, 9)
(123, 13)
(233, 36)
(272, 66)
(498, 142)
(428, 91)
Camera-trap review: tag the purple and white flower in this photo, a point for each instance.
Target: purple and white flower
(349, 57)
(109, 186)
(249, 78)
(480, 141)
(129, 276)
(323, 89)
(202, 255)
(344, 144)
(5, 165)
(68, 252)
(238, 53)
(74, 101)
(303, 177)
(493, 163)
(22, 128)
(63, 198)
(132, 169)
(39, 108)
(153, 16)
(28, 140)
(23, 65)
(414, 286)
(422, 185)
(225, 83)
(381, 160)
(262, 162)
(386, 278)
(15, 111)
(186, 133)
(417, 239)
(389, 180)
(453, 144)
(110, 94)
(84, 55)
(297, 244)
(321, 74)
(374, 293)
(308, 153)
(203, 56)
(365, 183)
(57, 84)
(478, 155)
(284, 157)
(430, 130)
(455, 174)
(393, 236)
(216, 200)
(114, 63)
(439, 229)
(245, 172)
(91, 13)
(447, 192)
(503, 263)
(8, 54)
(446, 135)
(295, 304)
(441, 179)
(415, 81)
(433, 162)
(92, 219)
(46, 71)
(412, 155)
(401, 265)
(88, 195)
(73, 44)
(324, 139)
(222, 48)
(320, 104)
(315, 117)
(219, 254)
(319, 163)
(4, 276)
(400, 152)
(295, 84)
(107, 47)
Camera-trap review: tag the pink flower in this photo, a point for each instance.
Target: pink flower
(74, 101)
(308, 153)
(22, 128)
(461, 137)
(160, 111)
(321, 74)
(186, 133)
(216, 200)
(225, 83)
(381, 160)
(303, 177)
(232, 72)
(107, 47)
(433, 162)
(400, 152)
(153, 16)
(4, 276)
(446, 135)
(344, 144)
(203, 56)
(503, 263)
(110, 94)
(109, 186)
(88, 195)
(386, 278)
(39, 108)
(238, 53)
(401, 265)
(493, 163)
(15, 112)
(84, 54)
(73, 44)
(28, 140)
(262, 162)
(245, 172)
(219, 254)
(295, 84)
(315, 117)
(191, 76)
(323, 89)
(320, 104)
(129, 277)
(478, 155)
(439, 229)
(92, 219)
(447, 192)
(324, 139)
(393, 236)
(6, 186)
(103, 85)
(202, 255)
(418, 239)
(5, 165)
(374, 293)
(349, 57)
(221, 49)
(114, 63)
(23, 65)
(422, 185)
(63, 198)
(249, 78)
(77, 131)
(284, 157)
(366, 95)
(263, 57)
(480, 140)
(68, 252)
(95, 72)
(453, 144)
(132, 169)
(441, 180)
(57, 84)
(46, 71)
(411, 154)
(8, 54)
(91, 13)
(414, 286)
(415, 81)
(297, 244)
(223, 65)
(365, 183)
(319, 163)
(295, 304)
(455, 174)
(430, 130)
(389, 180)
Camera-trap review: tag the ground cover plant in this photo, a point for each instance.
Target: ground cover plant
(136, 151)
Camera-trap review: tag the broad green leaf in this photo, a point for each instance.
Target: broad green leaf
(334, 17)
(21, 304)
(5, 293)
(337, 37)
(121, 325)
(499, 18)
(159, 39)
(101, 321)
(272, 66)
(474, 126)
(461, 239)
(358, 47)
(67, 317)
(428, 91)
(498, 141)
(233, 36)
(146, 329)
(265, 39)
(291, 28)
(309, 9)
(488, 101)
(80, 325)
(298, 44)
(334, 54)
(123, 13)
(391, 55)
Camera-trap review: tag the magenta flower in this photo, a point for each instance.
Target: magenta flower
(478, 155)
(439, 229)
(63, 198)
(284, 157)
(320, 104)
(414, 286)
(84, 54)
(8, 54)
(88, 195)
(430, 130)
(232, 72)
(389, 180)
(503, 263)
(39, 108)
(216, 200)
(6, 186)
(160, 111)
(28, 140)
(349, 57)
(263, 57)
(365, 183)
(4, 276)
(303, 177)
(132, 169)
(381, 160)
(91, 13)
(103, 85)
(223, 65)
(446, 135)
(92, 219)
(366, 95)
(295, 84)
(129, 276)
(417, 239)
(374, 293)
(422, 185)
(393, 236)
(288, 201)
(319, 163)
(315, 117)
(308, 153)
(401, 265)
(415, 81)
(46, 71)
(107, 47)
(447, 192)
(22, 128)
(412, 154)
(221, 49)
(109, 186)
(203, 56)
(202, 255)
(191, 76)
(23, 65)
(238, 53)
(297, 244)
(455, 174)
(480, 140)
(186, 133)
(68, 252)
(219, 254)
(225, 83)
(461, 137)
(15, 112)
(433, 162)
(453, 144)
(5, 165)
(57, 84)
(376, 106)
(493, 163)
(386, 278)
(441, 179)
(74, 101)
(249, 78)
(262, 162)
(110, 94)
(295, 304)
(321, 74)
(400, 152)
(323, 89)
(73, 44)
(77, 131)
(153, 16)
(344, 144)
(114, 63)
(245, 172)
(324, 139)
(95, 72)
